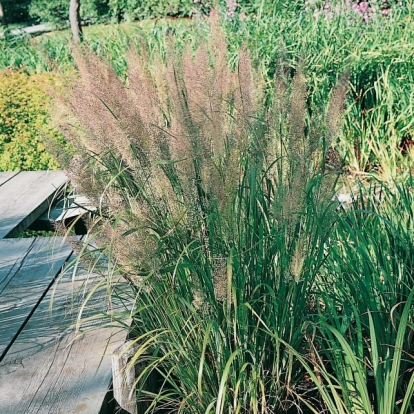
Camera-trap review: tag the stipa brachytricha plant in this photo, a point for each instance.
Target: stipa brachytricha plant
(216, 207)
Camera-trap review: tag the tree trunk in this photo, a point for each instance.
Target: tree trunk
(2, 16)
(75, 22)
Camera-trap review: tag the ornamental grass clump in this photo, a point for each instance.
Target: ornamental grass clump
(214, 200)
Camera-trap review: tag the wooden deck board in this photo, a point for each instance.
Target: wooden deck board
(27, 269)
(6, 176)
(49, 370)
(24, 197)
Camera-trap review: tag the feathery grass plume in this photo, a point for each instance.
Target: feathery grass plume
(334, 120)
(149, 98)
(298, 259)
(114, 122)
(335, 110)
(245, 100)
(156, 140)
(208, 207)
(297, 146)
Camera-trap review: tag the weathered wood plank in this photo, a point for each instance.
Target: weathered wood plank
(27, 269)
(70, 208)
(6, 176)
(124, 377)
(49, 369)
(25, 197)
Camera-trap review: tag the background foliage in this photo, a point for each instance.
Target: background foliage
(23, 121)
(374, 46)
(92, 11)
(16, 11)
(57, 11)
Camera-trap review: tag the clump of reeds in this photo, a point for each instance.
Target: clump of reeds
(216, 207)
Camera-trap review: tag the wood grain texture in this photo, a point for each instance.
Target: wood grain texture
(124, 377)
(51, 368)
(27, 269)
(6, 176)
(24, 197)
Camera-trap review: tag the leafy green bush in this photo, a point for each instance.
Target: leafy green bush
(118, 10)
(57, 11)
(24, 120)
(131, 10)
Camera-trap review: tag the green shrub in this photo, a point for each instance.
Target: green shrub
(24, 120)
(118, 10)
(57, 11)
(132, 10)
